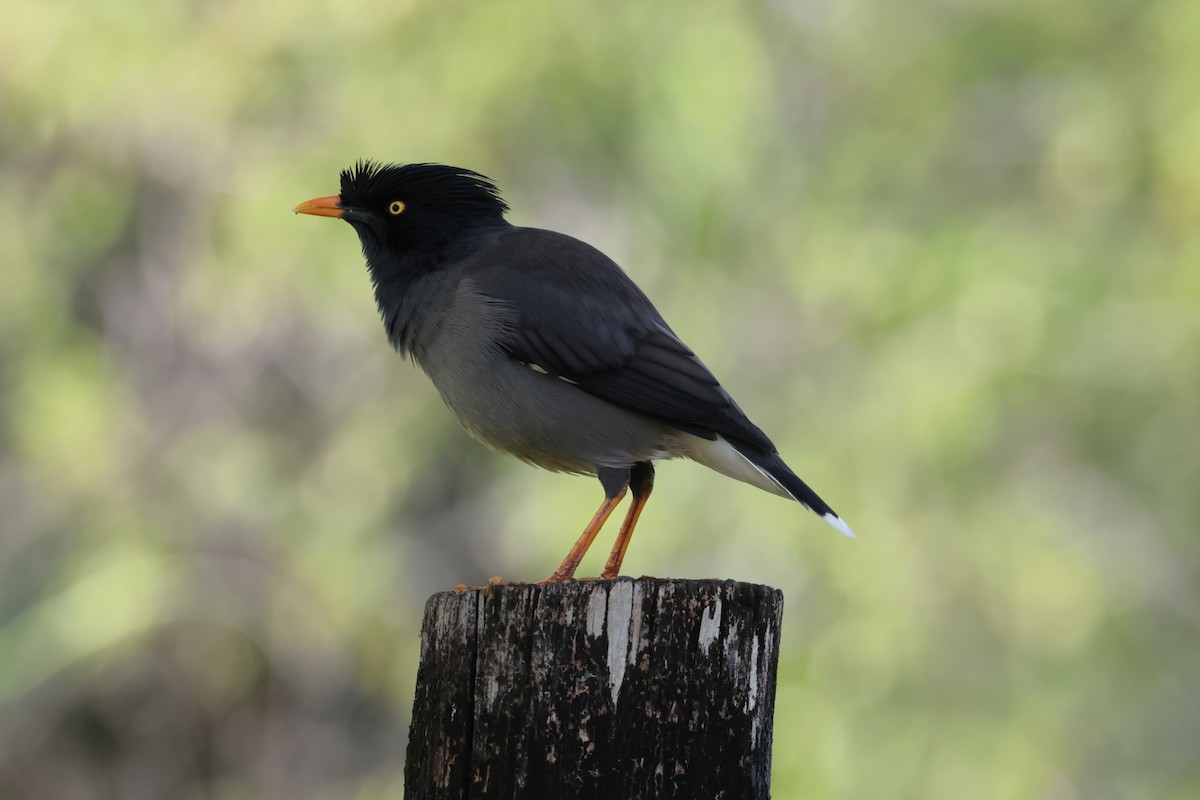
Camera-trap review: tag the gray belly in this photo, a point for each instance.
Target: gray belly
(547, 421)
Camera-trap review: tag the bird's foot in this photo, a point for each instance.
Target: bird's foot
(555, 578)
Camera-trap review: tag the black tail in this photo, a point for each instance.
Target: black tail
(773, 465)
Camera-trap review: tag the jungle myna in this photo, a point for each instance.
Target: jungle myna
(542, 346)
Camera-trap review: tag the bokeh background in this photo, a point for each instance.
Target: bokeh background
(944, 252)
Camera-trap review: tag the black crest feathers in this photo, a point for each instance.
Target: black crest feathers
(432, 186)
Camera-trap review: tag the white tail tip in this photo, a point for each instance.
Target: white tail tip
(836, 523)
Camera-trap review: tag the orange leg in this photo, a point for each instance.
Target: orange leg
(642, 483)
(613, 568)
(566, 570)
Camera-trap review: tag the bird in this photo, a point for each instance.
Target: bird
(543, 347)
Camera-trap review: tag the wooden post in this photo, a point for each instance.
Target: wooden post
(601, 689)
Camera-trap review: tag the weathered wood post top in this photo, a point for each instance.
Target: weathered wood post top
(609, 689)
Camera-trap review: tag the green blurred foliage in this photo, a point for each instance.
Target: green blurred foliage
(944, 252)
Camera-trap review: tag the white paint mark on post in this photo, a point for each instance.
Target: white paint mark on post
(493, 691)
(710, 626)
(595, 611)
(635, 623)
(620, 609)
(752, 696)
(730, 646)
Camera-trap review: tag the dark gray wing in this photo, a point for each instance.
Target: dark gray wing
(580, 318)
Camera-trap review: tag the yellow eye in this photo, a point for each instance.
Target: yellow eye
(396, 208)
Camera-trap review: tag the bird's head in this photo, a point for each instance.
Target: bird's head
(412, 210)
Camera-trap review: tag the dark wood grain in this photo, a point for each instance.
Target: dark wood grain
(608, 689)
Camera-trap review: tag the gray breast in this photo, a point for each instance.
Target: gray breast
(541, 419)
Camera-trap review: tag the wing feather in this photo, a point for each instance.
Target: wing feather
(579, 317)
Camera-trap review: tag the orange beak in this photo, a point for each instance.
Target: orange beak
(321, 207)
